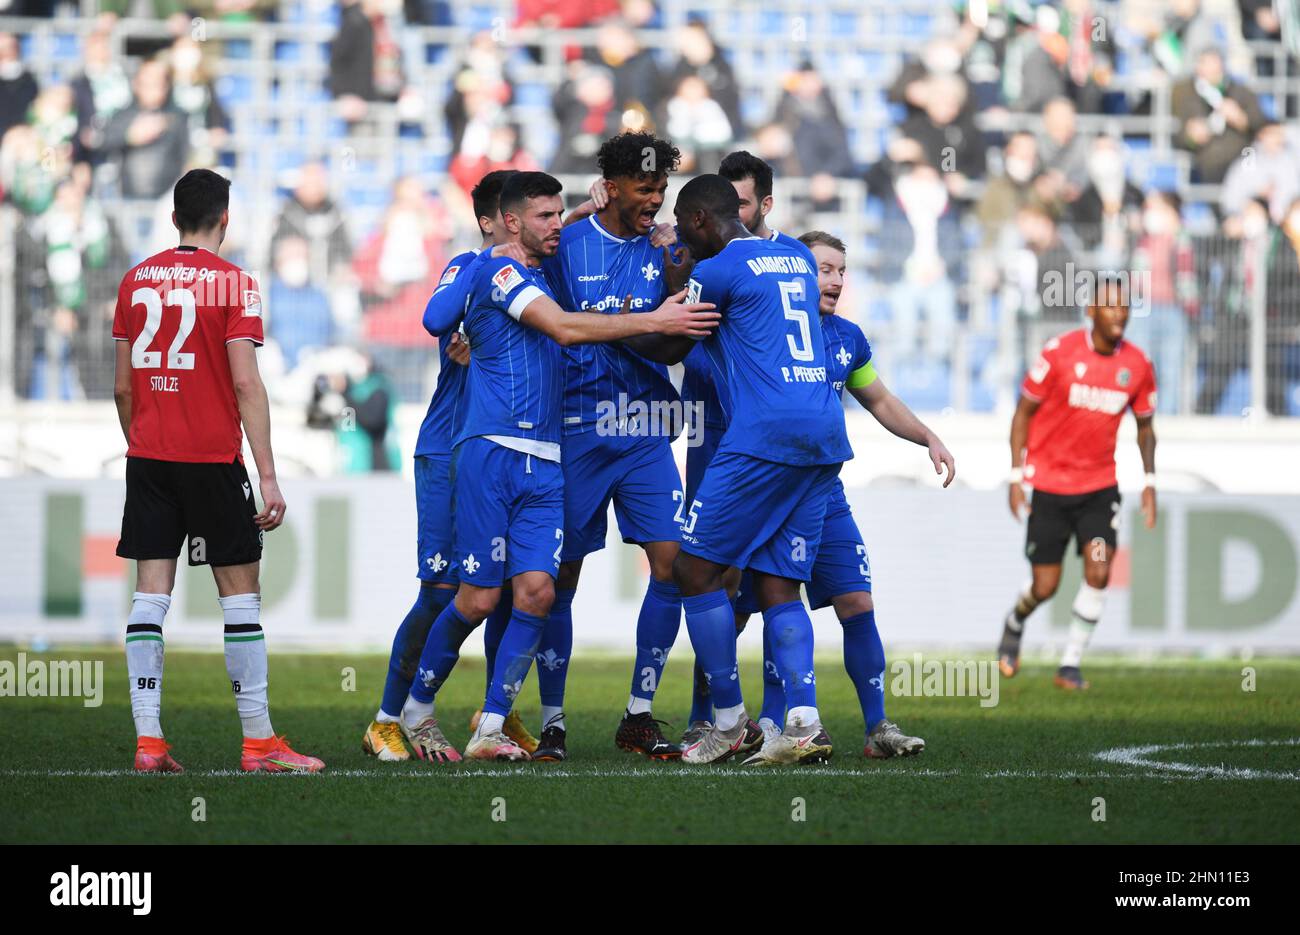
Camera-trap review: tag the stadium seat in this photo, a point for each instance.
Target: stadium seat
(234, 90)
(238, 49)
(925, 385)
(289, 51)
(1162, 176)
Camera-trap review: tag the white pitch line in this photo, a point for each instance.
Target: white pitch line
(1140, 757)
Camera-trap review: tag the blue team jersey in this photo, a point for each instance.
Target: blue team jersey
(769, 354)
(446, 413)
(516, 373)
(697, 380)
(847, 350)
(592, 272)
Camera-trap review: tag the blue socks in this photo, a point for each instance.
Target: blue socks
(493, 629)
(514, 658)
(712, 627)
(408, 644)
(555, 649)
(773, 690)
(792, 651)
(864, 658)
(441, 651)
(656, 631)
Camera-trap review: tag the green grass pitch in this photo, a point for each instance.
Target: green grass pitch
(1224, 767)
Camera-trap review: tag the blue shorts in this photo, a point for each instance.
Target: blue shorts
(699, 456)
(842, 566)
(509, 513)
(639, 474)
(759, 515)
(433, 536)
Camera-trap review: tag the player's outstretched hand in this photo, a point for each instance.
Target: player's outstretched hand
(458, 350)
(664, 235)
(512, 250)
(598, 194)
(1019, 505)
(693, 321)
(1149, 507)
(272, 514)
(942, 458)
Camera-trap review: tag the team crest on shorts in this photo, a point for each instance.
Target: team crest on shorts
(1123, 376)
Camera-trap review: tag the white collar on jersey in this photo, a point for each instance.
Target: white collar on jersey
(601, 227)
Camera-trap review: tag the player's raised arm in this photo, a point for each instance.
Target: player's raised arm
(693, 322)
(891, 412)
(255, 413)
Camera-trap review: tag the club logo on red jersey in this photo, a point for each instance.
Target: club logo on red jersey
(1123, 376)
(1080, 368)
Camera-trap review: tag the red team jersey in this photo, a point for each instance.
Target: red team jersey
(179, 309)
(1082, 396)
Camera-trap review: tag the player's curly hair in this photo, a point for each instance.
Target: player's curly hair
(637, 155)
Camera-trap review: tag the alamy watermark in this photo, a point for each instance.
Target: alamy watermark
(950, 678)
(1076, 287)
(636, 418)
(53, 678)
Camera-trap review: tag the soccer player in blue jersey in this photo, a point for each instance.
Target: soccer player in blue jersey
(752, 178)
(617, 447)
(841, 576)
(433, 508)
(762, 501)
(508, 489)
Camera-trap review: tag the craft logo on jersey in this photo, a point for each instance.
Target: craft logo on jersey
(252, 304)
(649, 272)
(507, 278)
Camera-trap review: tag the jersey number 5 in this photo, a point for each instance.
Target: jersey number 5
(144, 359)
(792, 292)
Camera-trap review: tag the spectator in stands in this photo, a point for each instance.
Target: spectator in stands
(638, 85)
(701, 57)
(298, 313)
(503, 151)
(480, 92)
(916, 241)
(1009, 191)
(1160, 323)
(1282, 358)
(101, 90)
(427, 12)
(698, 126)
(820, 140)
(194, 95)
(150, 137)
(1034, 69)
(1228, 271)
(1109, 212)
(563, 14)
(359, 403)
(1270, 170)
(365, 59)
(939, 56)
(1217, 117)
(1089, 53)
(311, 215)
(54, 117)
(398, 268)
(1186, 30)
(78, 250)
(17, 85)
(1063, 152)
(584, 108)
(1045, 272)
(23, 178)
(948, 142)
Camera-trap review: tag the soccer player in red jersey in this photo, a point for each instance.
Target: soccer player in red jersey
(1063, 445)
(187, 326)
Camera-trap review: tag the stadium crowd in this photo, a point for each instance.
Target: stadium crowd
(1016, 144)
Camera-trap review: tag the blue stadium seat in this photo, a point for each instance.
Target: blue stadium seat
(1161, 175)
(880, 311)
(1236, 396)
(534, 94)
(293, 11)
(289, 51)
(25, 44)
(234, 90)
(1268, 104)
(66, 47)
(237, 49)
(477, 18)
(925, 385)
